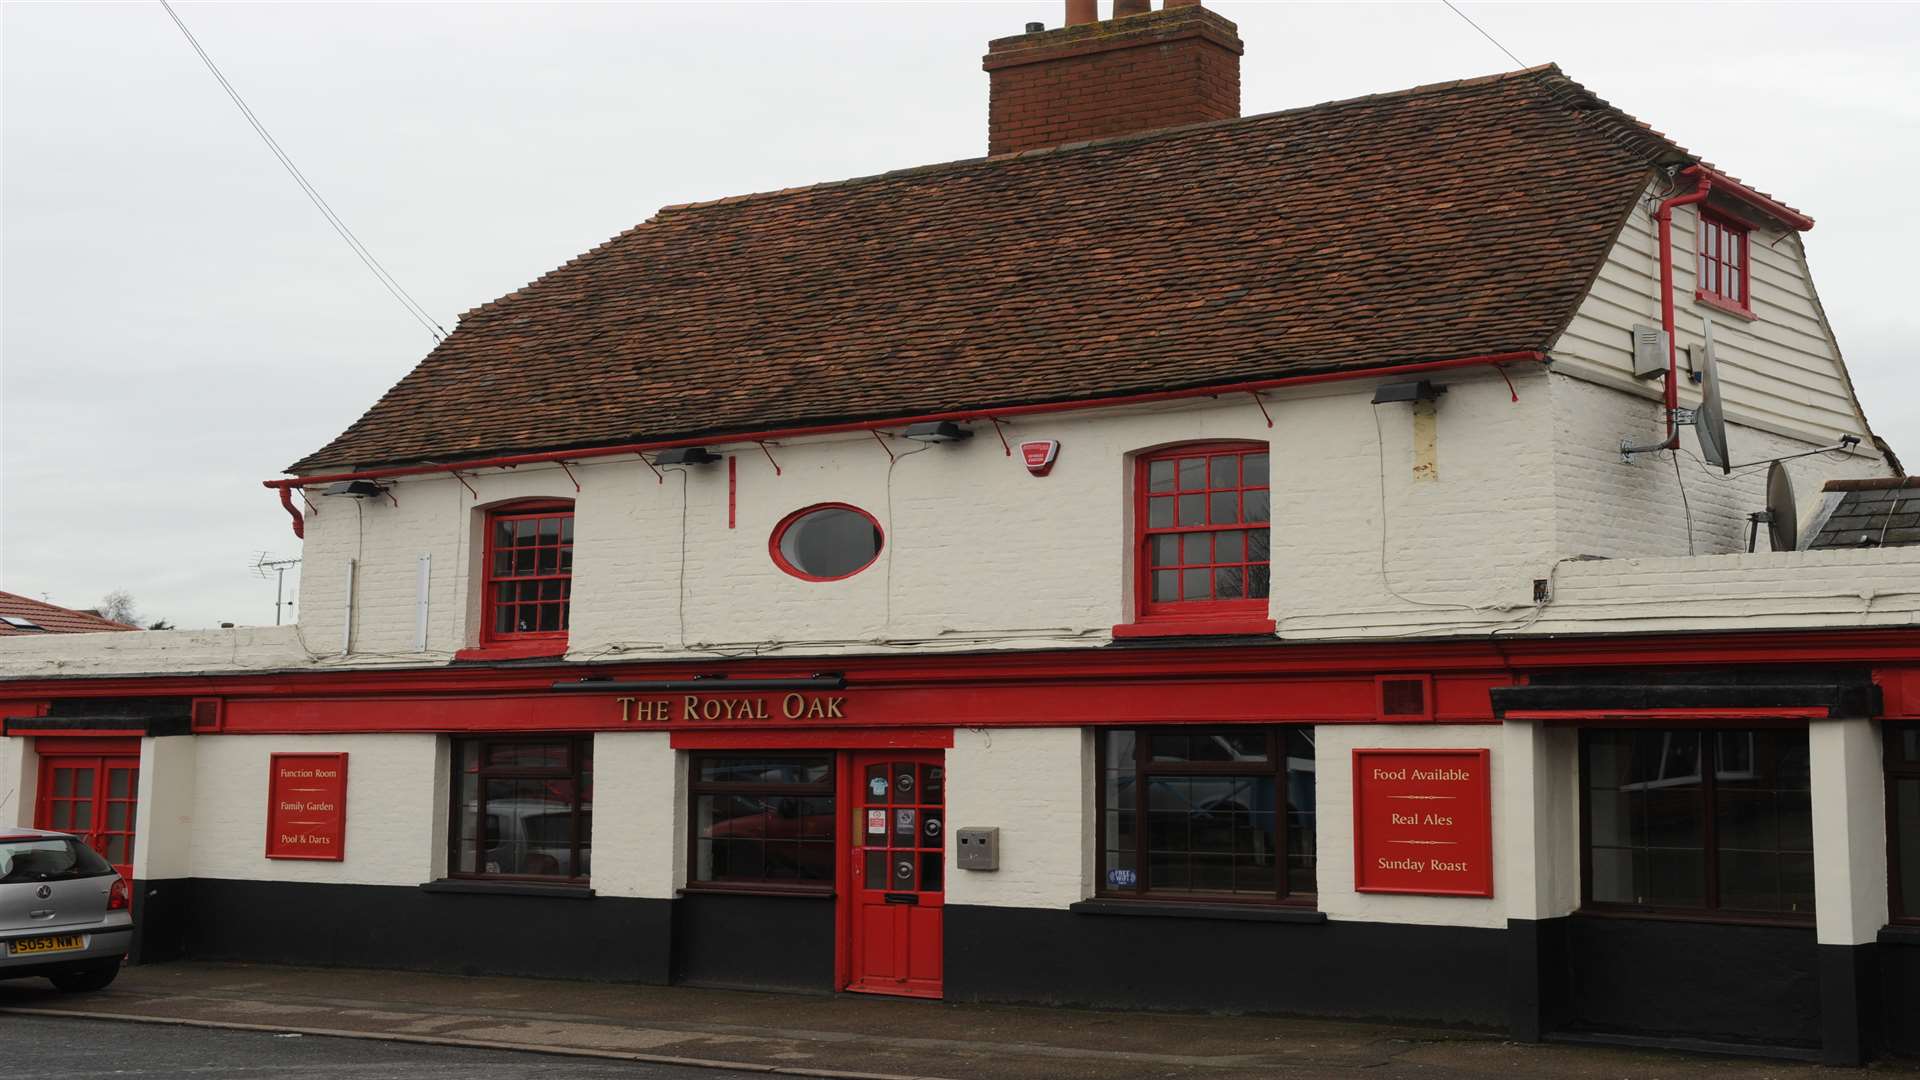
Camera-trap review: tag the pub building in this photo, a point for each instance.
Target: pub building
(1177, 561)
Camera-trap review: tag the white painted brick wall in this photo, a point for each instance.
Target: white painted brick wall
(396, 809)
(639, 815)
(19, 780)
(1333, 760)
(1036, 786)
(163, 824)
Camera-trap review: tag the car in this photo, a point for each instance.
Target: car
(65, 914)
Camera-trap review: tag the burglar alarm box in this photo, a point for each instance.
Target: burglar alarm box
(979, 849)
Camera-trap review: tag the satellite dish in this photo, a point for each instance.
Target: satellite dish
(1783, 517)
(1710, 419)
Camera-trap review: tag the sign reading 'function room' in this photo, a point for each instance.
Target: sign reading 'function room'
(1422, 822)
(307, 806)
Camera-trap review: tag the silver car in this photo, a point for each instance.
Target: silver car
(64, 913)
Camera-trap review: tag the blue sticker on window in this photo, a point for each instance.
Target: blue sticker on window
(1120, 879)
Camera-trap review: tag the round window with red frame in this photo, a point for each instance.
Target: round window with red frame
(826, 542)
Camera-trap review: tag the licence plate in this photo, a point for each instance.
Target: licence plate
(58, 943)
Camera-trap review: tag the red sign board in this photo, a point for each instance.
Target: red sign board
(307, 806)
(1422, 822)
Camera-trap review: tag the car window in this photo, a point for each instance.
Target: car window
(48, 859)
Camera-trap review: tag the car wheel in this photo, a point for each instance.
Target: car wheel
(87, 979)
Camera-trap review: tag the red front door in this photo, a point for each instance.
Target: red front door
(898, 872)
(95, 797)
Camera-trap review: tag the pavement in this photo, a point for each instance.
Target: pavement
(847, 1036)
(46, 1048)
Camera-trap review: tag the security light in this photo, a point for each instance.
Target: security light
(937, 431)
(356, 489)
(1424, 390)
(686, 455)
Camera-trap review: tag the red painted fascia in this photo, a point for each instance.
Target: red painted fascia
(1773, 208)
(509, 461)
(1893, 646)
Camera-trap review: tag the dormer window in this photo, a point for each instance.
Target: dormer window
(1721, 264)
(1201, 541)
(529, 573)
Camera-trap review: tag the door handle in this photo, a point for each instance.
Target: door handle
(912, 899)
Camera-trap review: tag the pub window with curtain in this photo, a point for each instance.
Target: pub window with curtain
(522, 808)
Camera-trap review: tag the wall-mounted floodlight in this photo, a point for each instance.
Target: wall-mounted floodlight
(1424, 390)
(686, 455)
(356, 489)
(937, 431)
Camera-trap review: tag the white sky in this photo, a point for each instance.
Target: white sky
(177, 322)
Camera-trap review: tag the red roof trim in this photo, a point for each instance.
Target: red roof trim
(510, 460)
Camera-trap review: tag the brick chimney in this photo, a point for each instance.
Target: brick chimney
(1092, 79)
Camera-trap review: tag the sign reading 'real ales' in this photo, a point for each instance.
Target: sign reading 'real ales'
(307, 806)
(1422, 822)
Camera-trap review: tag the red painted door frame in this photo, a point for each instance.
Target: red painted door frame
(891, 934)
(96, 786)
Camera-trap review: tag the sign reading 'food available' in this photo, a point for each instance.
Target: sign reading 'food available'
(307, 806)
(1422, 822)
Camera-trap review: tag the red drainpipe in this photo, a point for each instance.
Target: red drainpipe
(288, 485)
(1665, 217)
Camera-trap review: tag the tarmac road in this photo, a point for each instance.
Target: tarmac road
(44, 1048)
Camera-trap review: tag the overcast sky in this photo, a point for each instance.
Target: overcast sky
(179, 323)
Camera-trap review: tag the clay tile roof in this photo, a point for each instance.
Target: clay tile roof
(1446, 221)
(50, 618)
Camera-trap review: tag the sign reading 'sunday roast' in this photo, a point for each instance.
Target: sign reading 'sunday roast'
(307, 806)
(1422, 822)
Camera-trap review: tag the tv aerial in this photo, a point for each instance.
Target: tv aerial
(265, 564)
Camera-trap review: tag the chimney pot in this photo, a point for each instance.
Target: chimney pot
(1124, 8)
(1035, 27)
(1081, 12)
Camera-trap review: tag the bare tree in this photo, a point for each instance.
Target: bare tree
(119, 606)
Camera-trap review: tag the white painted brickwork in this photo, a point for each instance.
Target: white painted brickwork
(396, 808)
(163, 824)
(19, 780)
(1036, 786)
(1333, 769)
(639, 808)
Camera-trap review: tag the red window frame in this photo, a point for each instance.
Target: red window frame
(1164, 535)
(1722, 271)
(787, 566)
(494, 581)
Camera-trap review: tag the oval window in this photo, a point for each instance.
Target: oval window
(826, 542)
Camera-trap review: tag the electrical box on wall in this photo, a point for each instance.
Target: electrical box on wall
(979, 849)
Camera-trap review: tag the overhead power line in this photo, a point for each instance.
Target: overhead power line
(373, 265)
(1470, 22)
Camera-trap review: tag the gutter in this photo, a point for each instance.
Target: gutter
(286, 487)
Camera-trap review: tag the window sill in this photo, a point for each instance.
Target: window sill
(1720, 304)
(753, 890)
(1786, 922)
(1221, 912)
(1900, 935)
(507, 888)
(1193, 626)
(515, 650)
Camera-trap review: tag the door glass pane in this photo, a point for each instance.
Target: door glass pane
(930, 867)
(117, 816)
(933, 784)
(83, 815)
(83, 782)
(877, 785)
(905, 787)
(63, 782)
(119, 783)
(902, 871)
